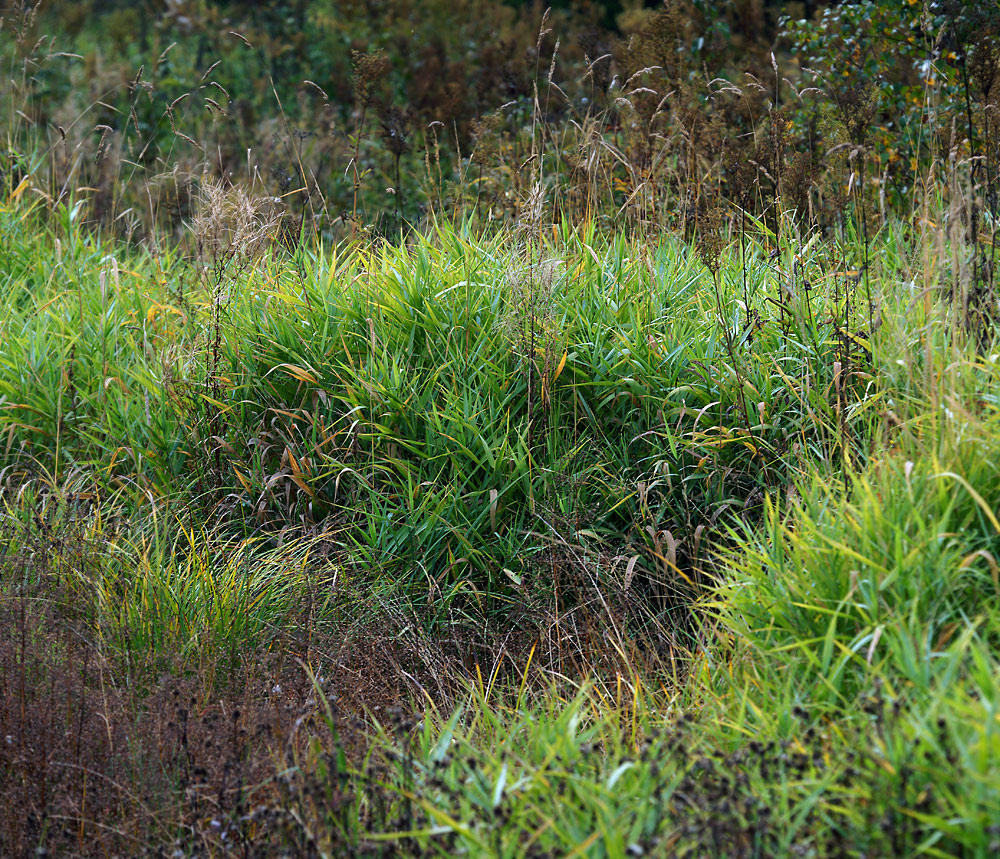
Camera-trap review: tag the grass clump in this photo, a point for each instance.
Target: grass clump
(774, 551)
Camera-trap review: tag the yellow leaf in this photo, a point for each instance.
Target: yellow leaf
(562, 364)
(20, 189)
(299, 373)
(888, 767)
(242, 479)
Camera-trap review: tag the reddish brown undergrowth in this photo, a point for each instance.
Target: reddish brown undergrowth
(102, 756)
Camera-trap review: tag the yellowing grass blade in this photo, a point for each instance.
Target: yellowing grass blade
(23, 186)
(562, 363)
(299, 373)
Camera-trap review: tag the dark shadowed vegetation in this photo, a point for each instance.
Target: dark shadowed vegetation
(471, 428)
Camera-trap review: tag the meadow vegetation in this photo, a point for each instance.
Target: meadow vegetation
(586, 446)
